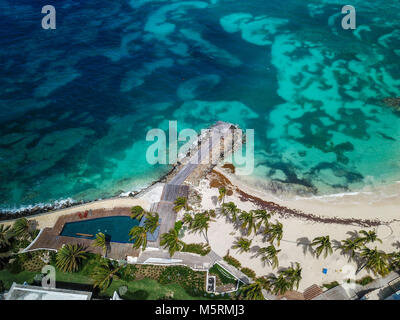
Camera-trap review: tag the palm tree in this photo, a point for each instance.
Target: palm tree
(152, 221)
(22, 228)
(139, 235)
(270, 255)
(70, 256)
(4, 257)
(274, 231)
(201, 223)
(100, 242)
(242, 244)
(171, 241)
(394, 259)
(103, 274)
(293, 275)
(252, 291)
(137, 212)
(180, 203)
(187, 219)
(369, 236)
(279, 285)
(222, 194)
(352, 245)
(375, 260)
(323, 245)
(262, 216)
(6, 235)
(230, 209)
(248, 221)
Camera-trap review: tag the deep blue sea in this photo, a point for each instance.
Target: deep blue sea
(76, 102)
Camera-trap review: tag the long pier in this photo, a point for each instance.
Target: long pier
(175, 188)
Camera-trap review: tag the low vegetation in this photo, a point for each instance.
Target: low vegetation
(232, 261)
(365, 280)
(330, 285)
(199, 248)
(223, 276)
(249, 272)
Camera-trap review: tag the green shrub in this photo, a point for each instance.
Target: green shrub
(128, 273)
(24, 257)
(15, 266)
(2, 288)
(53, 256)
(365, 280)
(190, 280)
(248, 272)
(330, 285)
(199, 248)
(232, 261)
(23, 243)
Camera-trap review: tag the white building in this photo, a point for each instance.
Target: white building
(26, 292)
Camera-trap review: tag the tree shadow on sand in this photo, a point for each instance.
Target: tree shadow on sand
(396, 245)
(353, 234)
(306, 244)
(214, 200)
(254, 249)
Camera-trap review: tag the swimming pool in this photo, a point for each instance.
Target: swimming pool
(115, 228)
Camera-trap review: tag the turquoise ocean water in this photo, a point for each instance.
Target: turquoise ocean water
(76, 102)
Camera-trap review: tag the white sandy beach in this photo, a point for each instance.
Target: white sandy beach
(382, 203)
(222, 234)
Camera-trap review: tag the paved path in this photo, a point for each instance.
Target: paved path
(175, 187)
(217, 132)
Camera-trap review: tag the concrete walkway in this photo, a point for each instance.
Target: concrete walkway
(175, 187)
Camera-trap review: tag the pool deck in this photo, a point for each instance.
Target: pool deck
(50, 238)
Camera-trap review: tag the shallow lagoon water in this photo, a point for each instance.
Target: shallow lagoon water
(76, 102)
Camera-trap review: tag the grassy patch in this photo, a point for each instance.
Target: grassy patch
(198, 248)
(330, 285)
(365, 280)
(249, 272)
(232, 261)
(222, 275)
(8, 278)
(148, 289)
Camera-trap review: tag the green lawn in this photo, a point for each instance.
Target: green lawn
(8, 278)
(223, 274)
(149, 289)
(145, 289)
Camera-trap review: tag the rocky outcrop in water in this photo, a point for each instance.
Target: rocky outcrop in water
(393, 102)
(38, 209)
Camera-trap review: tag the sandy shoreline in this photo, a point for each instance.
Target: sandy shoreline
(358, 205)
(355, 205)
(144, 199)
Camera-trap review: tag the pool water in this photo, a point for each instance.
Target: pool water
(116, 228)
